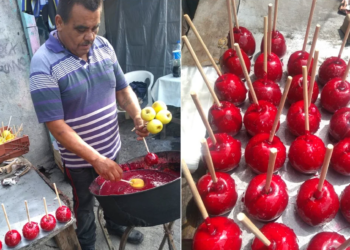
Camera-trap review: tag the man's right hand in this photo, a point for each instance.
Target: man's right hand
(108, 169)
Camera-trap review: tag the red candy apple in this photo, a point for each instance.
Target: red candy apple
(267, 90)
(63, 214)
(225, 119)
(151, 159)
(226, 153)
(314, 207)
(345, 203)
(244, 38)
(219, 198)
(340, 160)
(48, 223)
(296, 90)
(12, 238)
(259, 118)
(266, 206)
(280, 236)
(229, 63)
(339, 126)
(335, 95)
(278, 44)
(30, 230)
(217, 233)
(229, 87)
(331, 68)
(296, 62)
(274, 67)
(257, 153)
(326, 241)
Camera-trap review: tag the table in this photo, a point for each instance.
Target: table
(167, 89)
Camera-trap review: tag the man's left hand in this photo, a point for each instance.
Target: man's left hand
(141, 129)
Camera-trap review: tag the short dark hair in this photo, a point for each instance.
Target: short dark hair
(64, 7)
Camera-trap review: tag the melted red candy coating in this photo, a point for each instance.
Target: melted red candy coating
(63, 214)
(225, 235)
(266, 90)
(12, 238)
(314, 207)
(274, 67)
(266, 206)
(339, 126)
(296, 62)
(257, 153)
(281, 237)
(340, 160)
(229, 87)
(306, 154)
(278, 44)
(244, 38)
(331, 68)
(151, 159)
(0, 245)
(151, 178)
(259, 118)
(326, 241)
(48, 223)
(335, 95)
(30, 230)
(226, 153)
(295, 92)
(229, 63)
(225, 119)
(296, 119)
(345, 203)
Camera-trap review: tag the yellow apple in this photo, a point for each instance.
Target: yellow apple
(2, 140)
(159, 105)
(154, 126)
(5, 133)
(148, 114)
(164, 116)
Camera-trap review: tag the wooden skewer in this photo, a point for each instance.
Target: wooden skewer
(345, 39)
(208, 160)
(313, 76)
(275, 16)
(144, 125)
(325, 165)
(199, 66)
(144, 141)
(19, 130)
(194, 190)
(265, 43)
(26, 204)
(235, 13)
(203, 116)
(345, 245)
(7, 219)
(229, 12)
(250, 85)
(14, 130)
(269, 40)
(249, 224)
(3, 127)
(313, 46)
(346, 72)
(306, 98)
(271, 166)
(280, 108)
(58, 197)
(309, 23)
(47, 214)
(188, 19)
(8, 126)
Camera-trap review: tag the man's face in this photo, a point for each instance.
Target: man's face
(79, 31)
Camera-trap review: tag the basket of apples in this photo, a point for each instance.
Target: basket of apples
(156, 116)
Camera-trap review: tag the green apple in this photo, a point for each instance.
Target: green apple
(148, 114)
(154, 126)
(159, 105)
(164, 116)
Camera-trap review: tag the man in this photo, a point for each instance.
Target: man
(75, 82)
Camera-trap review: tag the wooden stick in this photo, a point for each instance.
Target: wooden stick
(58, 197)
(325, 165)
(270, 168)
(345, 38)
(313, 76)
(306, 98)
(309, 23)
(208, 160)
(188, 19)
(19, 130)
(203, 116)
(144, 141)
(235, 13)
(26, 204)
(280, 108)
(3, 127)
(229, 12)
(199, 66)
(345, 245)
(194, 190)
(313, 46)
(14, 130)
(7, 219)
(249, 224)
(346, 72)
(8, 126)
(265, 43)
(269, 40)
(275, 15)
(250, 85)
(47, 214)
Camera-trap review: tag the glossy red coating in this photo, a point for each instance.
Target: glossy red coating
(244, 38)
(0, 245)
(339, 126)
(266, 206)
(335, 95)
(48, 223)
(257, 153)
(267, 90)
(151, 159)
(281, 237)
(225, 119)
(295, 92)
(63, 214)
(219, 198)
(259, 118)
(225, 235)
(331, 68)
(226, 153)
(296, 118)
(229, 63)
(326, 241)
(296, 62)
(340, 160)
(30, 230)
(274, 67)
(345, 203)
(314, 207)
(229, 87)
(278, 44)
(306, 154)
(12, 238)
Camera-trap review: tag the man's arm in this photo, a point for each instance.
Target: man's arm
(105, 167)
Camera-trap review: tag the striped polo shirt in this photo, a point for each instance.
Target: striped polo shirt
(83, 94)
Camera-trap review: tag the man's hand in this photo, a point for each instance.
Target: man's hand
(140, 127)
(108, 169)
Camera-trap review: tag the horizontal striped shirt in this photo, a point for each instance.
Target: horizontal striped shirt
(83, 94)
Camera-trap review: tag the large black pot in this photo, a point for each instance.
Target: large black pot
(146, 208)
